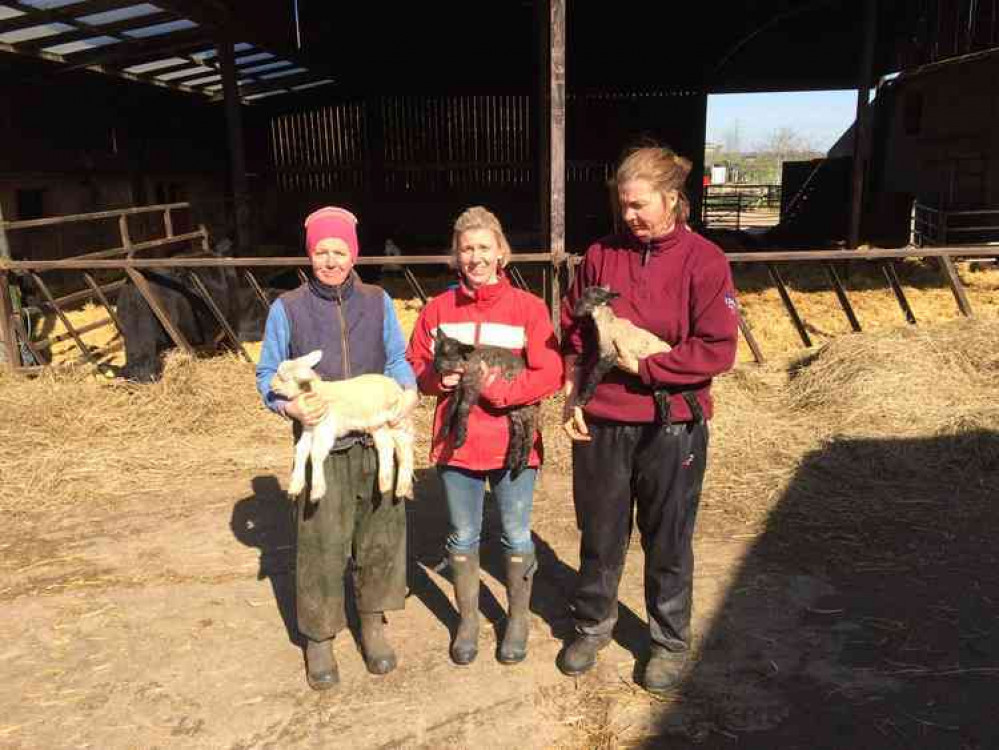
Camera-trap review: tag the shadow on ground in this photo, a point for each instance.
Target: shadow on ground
(865, 615)
(554, 581)
(265, 520)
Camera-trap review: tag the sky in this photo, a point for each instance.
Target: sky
(820, 117)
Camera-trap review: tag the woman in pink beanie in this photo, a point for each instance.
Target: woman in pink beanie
(355, 326)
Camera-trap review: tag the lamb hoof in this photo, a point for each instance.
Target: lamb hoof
(295, 488)
(404, 492)
(318, 493)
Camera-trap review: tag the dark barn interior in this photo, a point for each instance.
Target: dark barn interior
(423, 110)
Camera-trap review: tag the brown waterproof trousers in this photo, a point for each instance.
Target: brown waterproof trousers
(352, 522)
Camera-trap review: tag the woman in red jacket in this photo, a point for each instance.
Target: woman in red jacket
(483, 308)
(626, 459)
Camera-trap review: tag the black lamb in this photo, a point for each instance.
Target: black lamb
(451, 355)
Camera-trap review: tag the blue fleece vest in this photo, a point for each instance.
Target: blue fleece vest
(348, 328)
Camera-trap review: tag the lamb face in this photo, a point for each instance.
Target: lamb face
(293, 375)
(450, 354)
(592, 298)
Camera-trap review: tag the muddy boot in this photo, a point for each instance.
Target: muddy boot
(320, 665)
(580, 655)
(379, 657)
(665, 670)
(519, 577)
(465, 573)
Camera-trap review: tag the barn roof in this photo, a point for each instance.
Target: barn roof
(158, 43)
(295, 45)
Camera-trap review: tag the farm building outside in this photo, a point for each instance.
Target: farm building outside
(786, 513)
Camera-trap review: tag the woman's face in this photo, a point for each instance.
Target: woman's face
(331, 261)
(647, 212)
(479, 257)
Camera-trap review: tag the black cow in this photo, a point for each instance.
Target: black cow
(145, 337)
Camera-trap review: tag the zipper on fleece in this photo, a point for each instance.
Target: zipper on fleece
(344, 344)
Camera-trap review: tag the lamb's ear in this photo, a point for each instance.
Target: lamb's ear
(312, 358)
(612, 295)
(439, 336)
(466, 348)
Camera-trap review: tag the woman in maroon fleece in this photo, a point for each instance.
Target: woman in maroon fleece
(677, 285)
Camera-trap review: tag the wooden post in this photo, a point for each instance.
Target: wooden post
(9, 354)
(695, 182)
(844, 300)
(556, 160)
(949, 271)
(785, 297)
(237, 154)
(862, 127)
(161, 315)
(543, 122)
(126, 236)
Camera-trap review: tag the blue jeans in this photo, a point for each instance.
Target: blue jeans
(465, 492)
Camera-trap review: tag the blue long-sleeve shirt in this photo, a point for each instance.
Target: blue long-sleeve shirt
(277, 348)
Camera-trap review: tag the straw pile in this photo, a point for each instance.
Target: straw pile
(899, 389)
(72, 437)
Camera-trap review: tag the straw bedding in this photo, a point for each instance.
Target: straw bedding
(71, 437)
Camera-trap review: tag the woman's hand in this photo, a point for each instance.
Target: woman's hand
(308, 408)
(573, 421)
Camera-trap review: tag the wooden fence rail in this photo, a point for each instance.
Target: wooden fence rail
(132, 266)
(13, 328)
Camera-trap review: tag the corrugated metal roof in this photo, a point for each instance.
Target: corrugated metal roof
(147, 43)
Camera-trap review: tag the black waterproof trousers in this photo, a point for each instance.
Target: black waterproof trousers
(657, 471)
(354, 522)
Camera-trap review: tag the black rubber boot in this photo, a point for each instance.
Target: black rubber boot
(320, 665)
(580, 655)
(465, 574)
(379, 657)
(519, 577)
(665, 670)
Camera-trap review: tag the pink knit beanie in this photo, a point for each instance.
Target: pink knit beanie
(331, 221)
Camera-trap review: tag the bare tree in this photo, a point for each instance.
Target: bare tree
(784, 142)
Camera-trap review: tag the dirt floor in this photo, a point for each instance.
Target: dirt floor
(169, 624)
(846, 594)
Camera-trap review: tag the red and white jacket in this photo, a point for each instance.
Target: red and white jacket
(499, 315)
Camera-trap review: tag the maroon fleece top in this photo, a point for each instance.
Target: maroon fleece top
(679, 287)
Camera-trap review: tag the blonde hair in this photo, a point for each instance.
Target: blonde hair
(663, 169)
(479, 217)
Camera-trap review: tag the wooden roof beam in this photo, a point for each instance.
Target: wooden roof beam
(127, 54)
(277, 84)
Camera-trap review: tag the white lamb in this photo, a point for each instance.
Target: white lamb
(362, 404)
